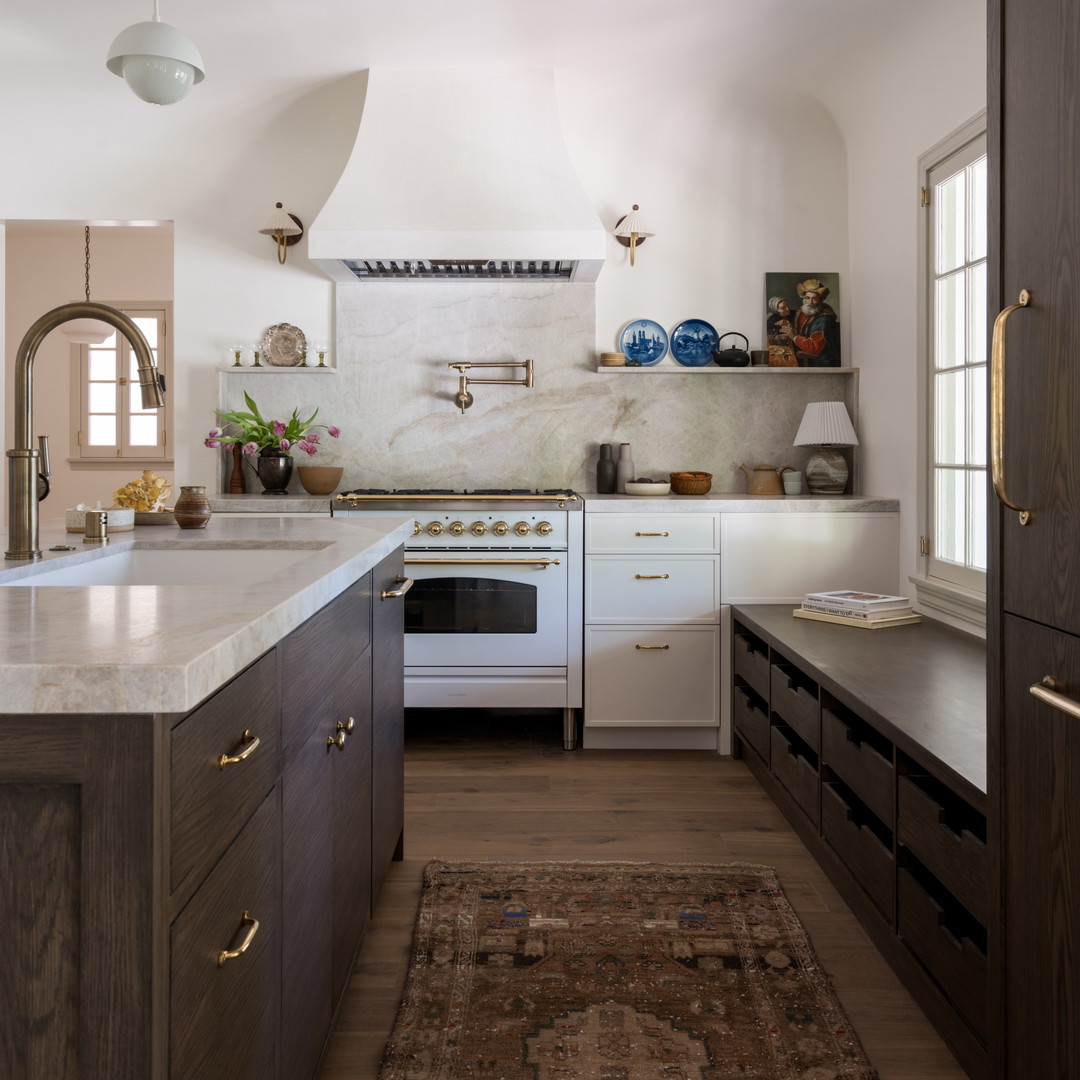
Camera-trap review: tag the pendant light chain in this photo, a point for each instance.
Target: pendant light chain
(87, 234)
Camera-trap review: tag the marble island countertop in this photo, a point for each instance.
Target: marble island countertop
(163, 648)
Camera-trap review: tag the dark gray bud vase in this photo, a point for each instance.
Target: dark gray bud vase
(605, 471)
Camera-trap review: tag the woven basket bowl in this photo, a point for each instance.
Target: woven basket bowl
(691, 483)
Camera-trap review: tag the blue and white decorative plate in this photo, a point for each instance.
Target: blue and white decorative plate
(693, 342)
(644, 342)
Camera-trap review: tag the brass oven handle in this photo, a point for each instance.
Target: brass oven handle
(652, 534)
(652, 646)
(249, 937)
(651, 577)
(406, 584)
(997, 406)
(231, 759)
(542, 563)
(1047, 693)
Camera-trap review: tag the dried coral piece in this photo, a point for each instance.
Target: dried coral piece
(146, 495)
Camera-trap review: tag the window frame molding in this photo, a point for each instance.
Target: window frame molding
(959, 604)
(79, 365)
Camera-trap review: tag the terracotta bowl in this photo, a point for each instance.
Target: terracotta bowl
(320, 479)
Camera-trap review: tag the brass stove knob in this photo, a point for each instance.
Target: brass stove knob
(417, 528)
(523, 528)
(479, 528)
(435, 528)
(545, 528)
(457, 528)
(500, 528)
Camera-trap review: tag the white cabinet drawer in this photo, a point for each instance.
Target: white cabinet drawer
(649, 531)
(652, 588)
(652, 677)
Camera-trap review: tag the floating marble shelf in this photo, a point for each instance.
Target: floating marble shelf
(269, 369)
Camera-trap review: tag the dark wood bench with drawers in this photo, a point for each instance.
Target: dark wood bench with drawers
(873, 743)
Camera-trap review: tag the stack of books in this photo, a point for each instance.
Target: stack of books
(871, 611)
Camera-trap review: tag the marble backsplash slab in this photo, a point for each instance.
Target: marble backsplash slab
(392, 395)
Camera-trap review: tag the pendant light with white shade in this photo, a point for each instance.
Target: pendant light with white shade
(157, 61)
(86, 331)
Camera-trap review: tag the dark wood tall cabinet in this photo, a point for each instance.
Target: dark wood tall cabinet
(1033, 624)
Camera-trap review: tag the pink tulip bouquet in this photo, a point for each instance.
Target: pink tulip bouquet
(256, 433)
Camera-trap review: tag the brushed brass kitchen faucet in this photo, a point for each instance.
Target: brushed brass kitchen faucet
(23, 461)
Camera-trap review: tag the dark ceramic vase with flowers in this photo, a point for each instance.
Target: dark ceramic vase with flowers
(274, 468)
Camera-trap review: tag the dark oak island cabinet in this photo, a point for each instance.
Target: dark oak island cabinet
(873, 744)
(183, 897)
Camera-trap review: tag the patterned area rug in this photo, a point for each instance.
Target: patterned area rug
(615, 971)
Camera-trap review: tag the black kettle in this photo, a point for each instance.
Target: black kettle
(732, 357)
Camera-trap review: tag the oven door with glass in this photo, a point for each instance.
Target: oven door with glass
(493, 609)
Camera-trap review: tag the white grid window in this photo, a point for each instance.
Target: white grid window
(957, 368)
(111, 422)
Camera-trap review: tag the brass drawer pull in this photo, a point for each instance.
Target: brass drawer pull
(347, 726)
(997, 406)
(652, 534)
(651, 577)
(249, 937)
(406, 584)
(338, 740)
(652, 646)
(1046, 692)
(249, 749)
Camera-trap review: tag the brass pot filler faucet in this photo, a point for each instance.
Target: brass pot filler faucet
(463, 399)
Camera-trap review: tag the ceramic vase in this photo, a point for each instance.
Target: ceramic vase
(192, 509)
(274, 468)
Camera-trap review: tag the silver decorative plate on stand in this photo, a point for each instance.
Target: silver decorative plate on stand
(284, 345)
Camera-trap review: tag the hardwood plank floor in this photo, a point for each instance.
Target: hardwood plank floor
(488, 786)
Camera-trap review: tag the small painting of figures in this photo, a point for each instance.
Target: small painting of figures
(802, 321)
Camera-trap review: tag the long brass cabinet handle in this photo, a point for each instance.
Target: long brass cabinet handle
(1047, 692)
(252, 929)
(249, 743)
(997, 406)
(651, 577)
(652, 534)
(652, 646)
(406, 584)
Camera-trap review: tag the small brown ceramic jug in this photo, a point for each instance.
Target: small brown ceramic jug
(764, 479)
(192, 509)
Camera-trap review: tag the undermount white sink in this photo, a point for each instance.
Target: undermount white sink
(208, 564)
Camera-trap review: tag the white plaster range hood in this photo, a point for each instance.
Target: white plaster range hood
(458, 175)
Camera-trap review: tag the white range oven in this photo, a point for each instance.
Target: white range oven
(493, 614)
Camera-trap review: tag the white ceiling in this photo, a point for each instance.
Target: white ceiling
(286, 46)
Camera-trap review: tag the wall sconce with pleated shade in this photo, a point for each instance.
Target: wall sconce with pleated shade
(285, 228)
(827, 426)
(156, 60)
(630, 232)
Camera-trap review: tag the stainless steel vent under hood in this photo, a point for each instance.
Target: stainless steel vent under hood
(458, 175)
